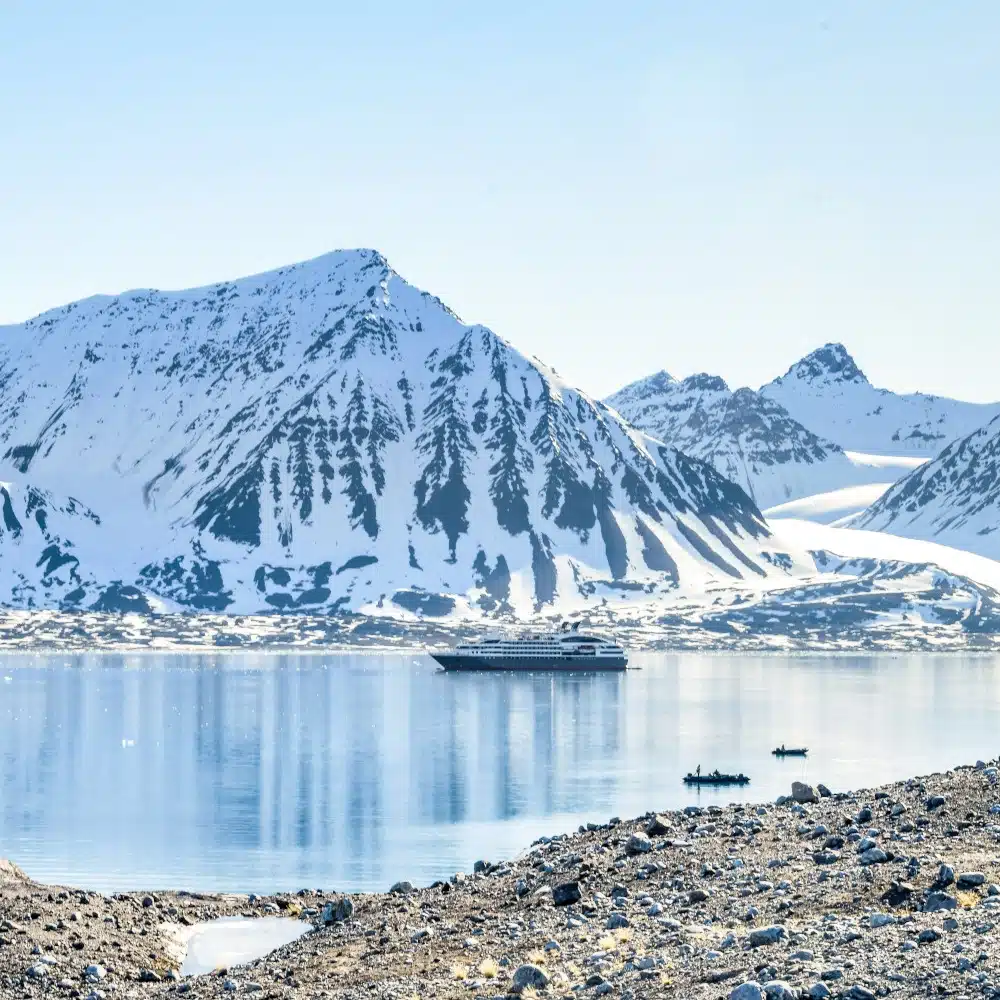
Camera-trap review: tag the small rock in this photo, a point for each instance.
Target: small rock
(529, 975)
(778, 990)
(401, 888)
(873, 856)
(616, 920)
(928, 935)
(566, 894)
(148, 976)
(422, 934)
(968, 880)
(897, 894)
(881, 920)
(819, 991)
(337, 912)
(697, 896)
(38, 971)
(825, 857)
(94, 973)
(658, 826)
(939, 901)
(638, 843)
(934, 802)
(859, 993)
(823, 791)
(945, 875)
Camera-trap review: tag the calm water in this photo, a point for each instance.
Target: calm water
(268, 772)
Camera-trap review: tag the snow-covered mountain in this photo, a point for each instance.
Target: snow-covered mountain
(953, 499)
(828, 393)
(746, 436)
(324, 437)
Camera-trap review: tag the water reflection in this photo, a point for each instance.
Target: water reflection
(264, 772)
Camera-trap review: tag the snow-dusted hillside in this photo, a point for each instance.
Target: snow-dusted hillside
(327, 437)
(954, 499)
(745, 435)
(828, 393)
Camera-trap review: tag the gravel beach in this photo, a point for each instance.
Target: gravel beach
(893, 891)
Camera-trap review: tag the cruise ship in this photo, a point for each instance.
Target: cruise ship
(567, 649)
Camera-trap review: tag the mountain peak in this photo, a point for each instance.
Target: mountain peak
(652, 386)
(706, 382)
(829, 363)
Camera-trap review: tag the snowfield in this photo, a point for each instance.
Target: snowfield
(831, 507)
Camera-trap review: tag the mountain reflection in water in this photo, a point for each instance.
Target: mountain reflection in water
(267, 772)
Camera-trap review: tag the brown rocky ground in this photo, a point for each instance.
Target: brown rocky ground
(891, 891)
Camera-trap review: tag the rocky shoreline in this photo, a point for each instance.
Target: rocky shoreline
(893, 891)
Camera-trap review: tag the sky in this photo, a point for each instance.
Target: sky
(614, 188)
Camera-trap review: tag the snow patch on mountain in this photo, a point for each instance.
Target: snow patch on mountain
(827, 392)
(831, 507)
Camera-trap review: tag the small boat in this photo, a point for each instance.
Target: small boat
(716, 778)
(784, 751)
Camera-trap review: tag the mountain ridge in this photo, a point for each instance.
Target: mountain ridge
(325, 435)
(954, 498)
(827, 392)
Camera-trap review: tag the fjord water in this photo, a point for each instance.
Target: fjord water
(268, 772)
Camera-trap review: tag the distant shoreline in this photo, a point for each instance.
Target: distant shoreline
(64, 632)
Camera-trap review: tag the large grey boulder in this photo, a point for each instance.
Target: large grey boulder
(766, 935)
(802, 793)
(528, 975)
(747, 991)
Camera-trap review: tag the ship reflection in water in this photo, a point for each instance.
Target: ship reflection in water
(276, 772)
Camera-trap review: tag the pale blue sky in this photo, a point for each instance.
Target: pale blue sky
(616, 188)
